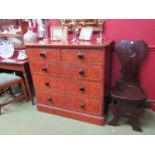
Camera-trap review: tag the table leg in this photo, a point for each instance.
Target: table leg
(28, 87)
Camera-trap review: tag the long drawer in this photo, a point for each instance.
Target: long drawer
(89, 72)
(71, 103)
(68, 86)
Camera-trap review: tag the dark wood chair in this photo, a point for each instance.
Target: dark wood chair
(127, 94)
(7, 81)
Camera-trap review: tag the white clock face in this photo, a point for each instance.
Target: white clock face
(6, 49)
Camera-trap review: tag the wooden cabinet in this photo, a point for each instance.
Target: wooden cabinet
(71, 80)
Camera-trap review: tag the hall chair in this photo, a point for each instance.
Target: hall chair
(128, 97)
(7, 82)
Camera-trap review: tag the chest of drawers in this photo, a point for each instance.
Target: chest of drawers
(71, 80)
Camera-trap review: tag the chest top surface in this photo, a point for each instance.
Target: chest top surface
(69, 44)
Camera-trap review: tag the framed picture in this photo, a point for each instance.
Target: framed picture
(59, 33)
(86, 33)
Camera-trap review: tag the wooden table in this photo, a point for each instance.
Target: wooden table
(22, 66)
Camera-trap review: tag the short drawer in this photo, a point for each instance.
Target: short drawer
(49, 84)
(70, 103)
(84, 88)
(45, 68)
(81, 56)
(90, 72)
(44, 54)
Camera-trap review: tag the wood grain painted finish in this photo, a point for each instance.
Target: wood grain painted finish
(71, 80)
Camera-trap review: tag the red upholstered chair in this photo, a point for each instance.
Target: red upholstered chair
(7, 81)
(127, 94)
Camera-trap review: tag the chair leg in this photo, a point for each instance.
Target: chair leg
(11, 92)
(32, 100)
(135, 124)
(116, 114)
(30, 96)
(128, 110)
(133, 120)
(25, 93)
(24, 90)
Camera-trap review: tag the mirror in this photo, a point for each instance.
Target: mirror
(83, 23)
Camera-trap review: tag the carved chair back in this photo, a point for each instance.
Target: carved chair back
(131, 54)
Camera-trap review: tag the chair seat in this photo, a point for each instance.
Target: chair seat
(128, 91)
(7, 78)
(7, 81)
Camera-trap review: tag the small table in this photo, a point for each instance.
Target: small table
(21, 66)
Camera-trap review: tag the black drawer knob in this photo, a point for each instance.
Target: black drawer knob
(42, 54)
(44, 69)
(80, 55)
(82, 105)
(47, 84)
(49, 99)
(81, 72)
(82, 89)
